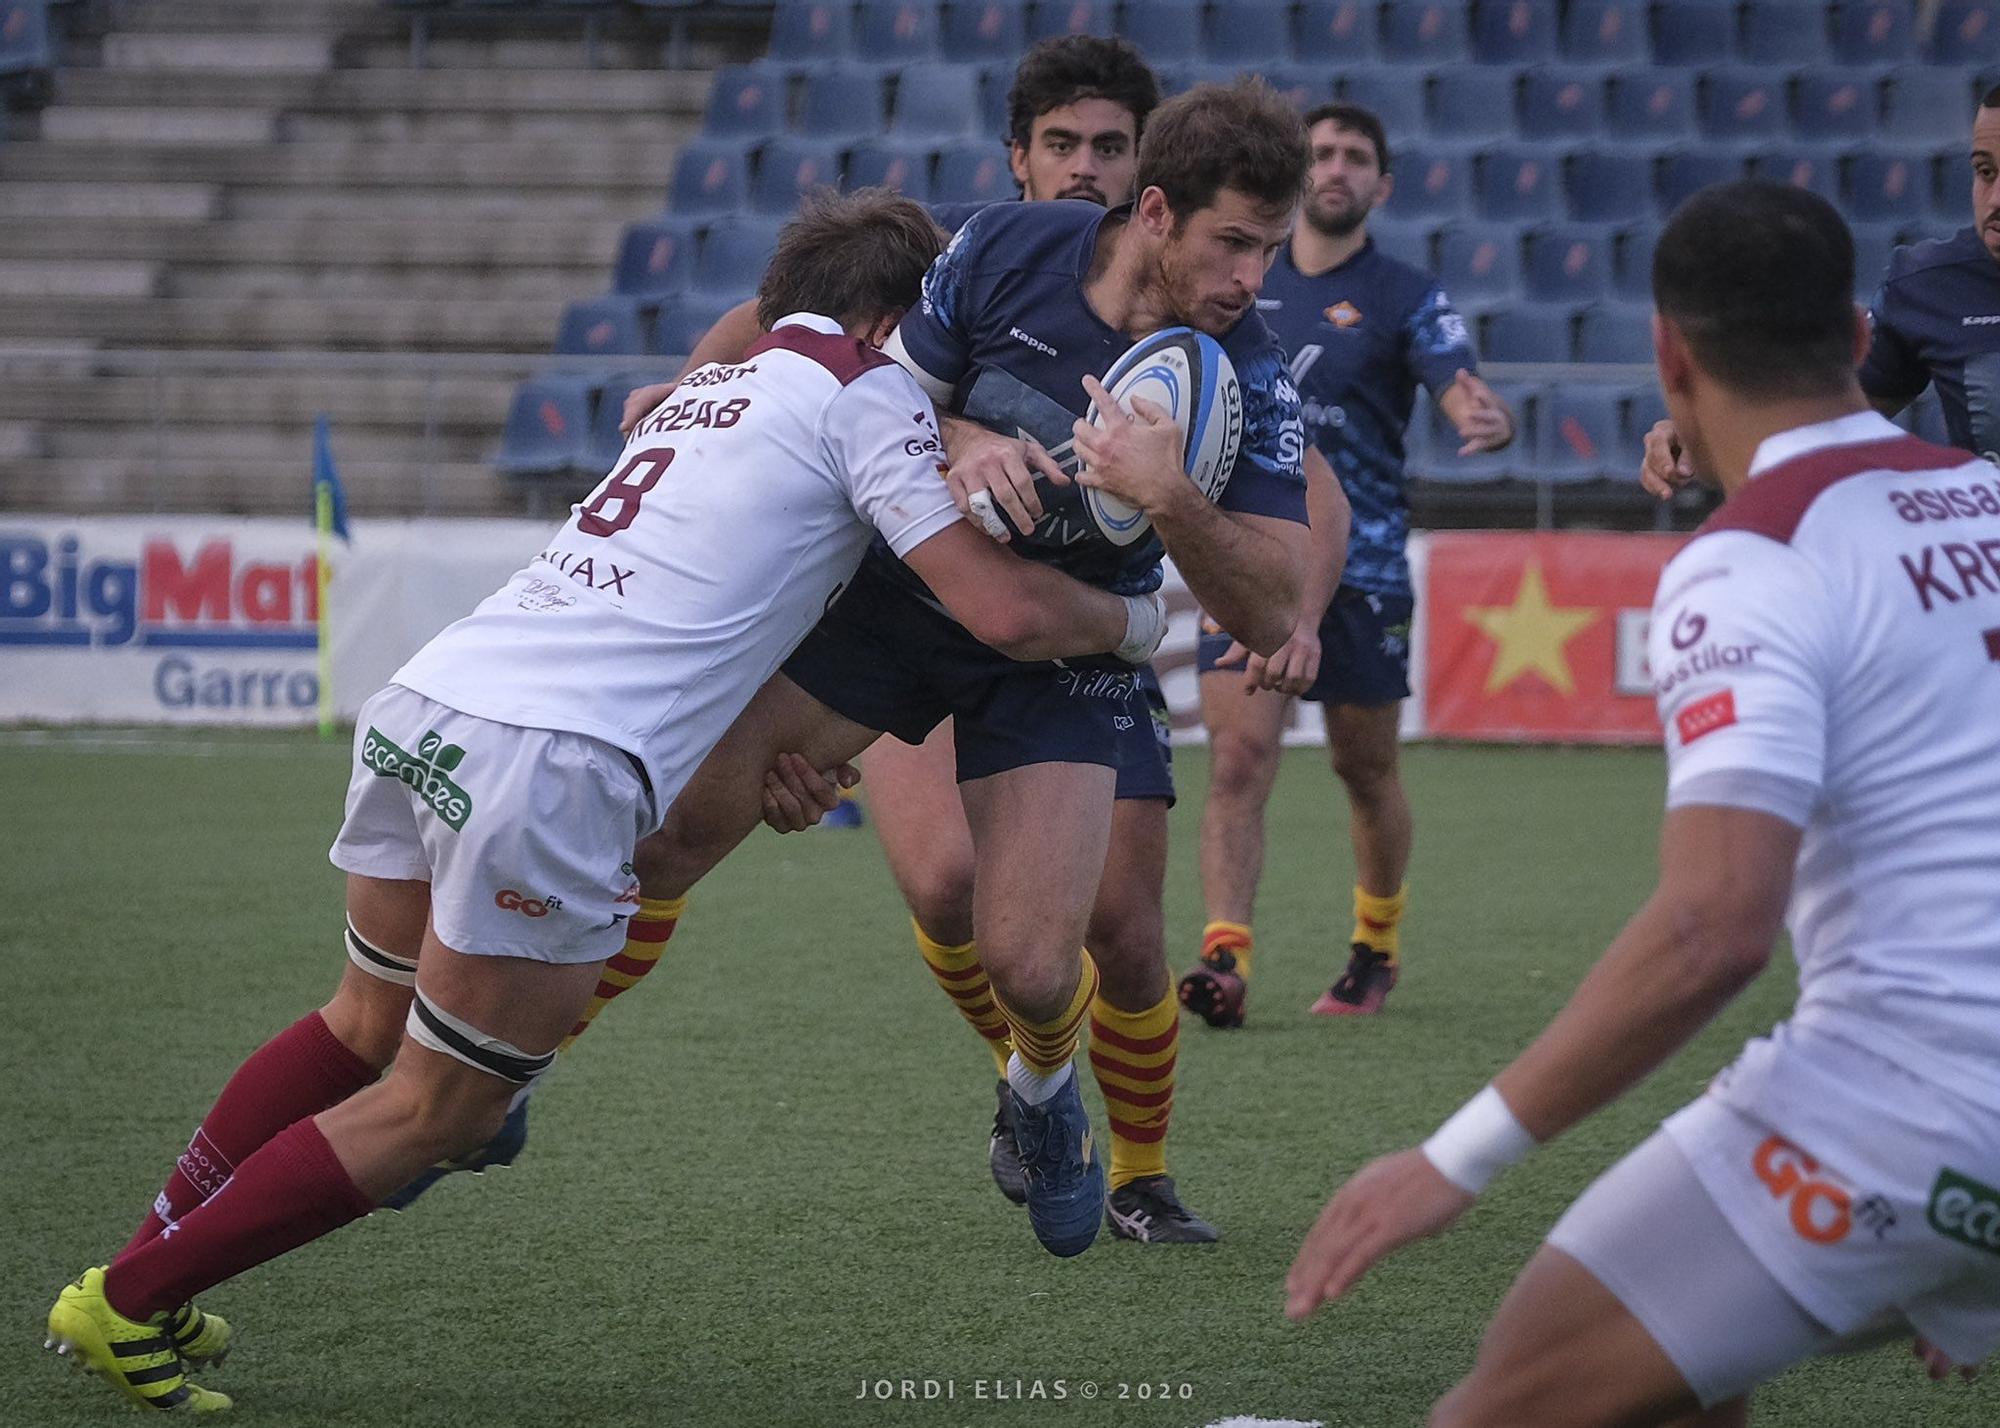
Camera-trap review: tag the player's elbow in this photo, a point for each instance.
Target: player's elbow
(1721, 946)
(1274, 618)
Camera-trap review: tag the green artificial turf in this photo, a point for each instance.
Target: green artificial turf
(760, 1180)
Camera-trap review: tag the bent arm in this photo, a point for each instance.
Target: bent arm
(1246, 571)
(1026, 610)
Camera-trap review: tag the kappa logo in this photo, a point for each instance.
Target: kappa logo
(1032, 341)
(1962, 1209)
(1343, 314)
(426, 772)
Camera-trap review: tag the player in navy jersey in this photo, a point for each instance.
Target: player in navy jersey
(1935, 322)
(1364, 330)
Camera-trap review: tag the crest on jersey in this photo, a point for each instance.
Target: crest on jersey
(1343, 314)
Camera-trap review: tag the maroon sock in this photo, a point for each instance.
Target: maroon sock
(298, 1073)
(286, 1194)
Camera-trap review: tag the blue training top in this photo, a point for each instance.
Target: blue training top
(1937, 319)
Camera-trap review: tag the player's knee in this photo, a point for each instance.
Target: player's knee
(433, 1121)
(368, 1019)
(940, 899)
(660, 859)
(1240, 766)
(1367, 772)
(1129, 947)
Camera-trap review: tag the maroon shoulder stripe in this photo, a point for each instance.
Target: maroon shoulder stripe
(845, 357)
(1774, 503)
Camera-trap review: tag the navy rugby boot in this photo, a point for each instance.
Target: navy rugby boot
(1065, 1177)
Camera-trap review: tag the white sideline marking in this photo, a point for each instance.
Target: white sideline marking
(1249, 1421)
(143, 743)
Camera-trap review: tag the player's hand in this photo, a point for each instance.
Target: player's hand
(1290, 670)
(1938, 1366)
(1484, 423)
(797, 795)
(640, 402)
(986, 470)
(1387, 1204)
(1666, 465)
(1135, 456)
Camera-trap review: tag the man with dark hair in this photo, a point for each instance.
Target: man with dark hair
(1364, 330)
(1823, 654)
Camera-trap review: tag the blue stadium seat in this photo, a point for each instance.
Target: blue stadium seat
(710, 176)
(1836, 105)
(1431, 183)
(1888, 186)
(747, 102)
(1967, 32)
(603, 443)
(895, 31)
(1249, 32)
(1049, 18)
(1690, 170)
(1742, 104)
(1567, 262)
(1518, 183)
(1479, 265)
(814, 30)
(1529, 333)
(1606, 186)
(972, 171)
(610, 326)
(1473, 101)
(1632, 263)
(1303, 85)
(936, 100)
(791, 167)
(1514, 31)
(1926, 105)
(901, 164)
(1169, 31)
(1424, 32)
(1615, 332)
(1811, 167)
(1650, 106)
(1873, 32)
(1410, 240)
(734, 253)
(1786, 32)
(1874, 245)
(548, 426)
(1559, 103)
(656, 256)
(1331, 32)
(1645, 408)
(1395, 97)
(842, 100)
(985, 29)
(683, 322)
(1694, 32)
(1582, 432)
(1605, 32)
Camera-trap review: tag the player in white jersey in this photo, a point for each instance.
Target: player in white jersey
(1826, 656)
(504, 777)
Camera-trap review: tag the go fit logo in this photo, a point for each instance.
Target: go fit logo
(1822, 1212)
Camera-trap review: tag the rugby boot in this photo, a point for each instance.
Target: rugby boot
(1002, 1157)
(1362, 988)
(506, 1144)
(202, 1340)
(139, 1360)
(1215, 990)
(1065, 1177)
(1148, 1210)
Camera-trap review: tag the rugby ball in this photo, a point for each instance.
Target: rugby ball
(1188, 375)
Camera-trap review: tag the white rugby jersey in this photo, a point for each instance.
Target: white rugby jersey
(739, 508)
(1827, 649)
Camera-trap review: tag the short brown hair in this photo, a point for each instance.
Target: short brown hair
(1066, 68)
(855, 258)
(1242, 136)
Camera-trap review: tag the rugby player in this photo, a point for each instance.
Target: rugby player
(1364, 330)
(502, 779)
(1826, 659)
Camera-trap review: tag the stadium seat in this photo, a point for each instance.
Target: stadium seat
(747, 102)
(1888, 186)
(1694, 32)
(1966, 32)
(1335, 32)
(1394, 97)
(1536, 333)
(1650, 106)
(972, 171)
(1607, 186)
(1632, 263)
(842, 100)
(1874, 245)
(684, 320)
(1927, 105)
(1169, 31)
(791, 167)
(1517, 183)
(1473, 101)
(936, 101)
(1874, 32)
(734, 253)
(1645, 408)
(655, 256)
(1303, 85)
(1424, 32)
(1786, 32)
(1249, 32)
(1514, 31)
(1690, 170)
(985, 29)
(896, 31)
(901, 164)
(1410, 240)
(1605, 32)
(1567, 262)
(1479, 266)
(1814, 168)
(610, 326)
(1582, 431)
(814, 30)
(1431, 183)
(1615, 332)
(710, 176)
(1434, 455)
(1742, 105)
(1836, 105)
(1563, 104)
(1049, 18)
(547, 427)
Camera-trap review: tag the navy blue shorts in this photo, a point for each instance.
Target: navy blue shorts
(1364, 649)
(1145, 744)
(886, 659)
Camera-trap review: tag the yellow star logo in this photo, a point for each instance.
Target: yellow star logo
(1531, 634)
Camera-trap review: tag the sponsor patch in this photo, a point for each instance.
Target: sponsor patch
(1963, 1209)
(1705, 716)
(426, 772)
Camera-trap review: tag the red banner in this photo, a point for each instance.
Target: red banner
(1541, 636)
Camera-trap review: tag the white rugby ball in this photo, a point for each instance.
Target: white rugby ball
(1188, 375)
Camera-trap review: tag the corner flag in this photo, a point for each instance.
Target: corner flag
(329, 520)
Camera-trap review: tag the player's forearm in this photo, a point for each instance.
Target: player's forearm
(728, 339)
(1332, 522)
(1246, 579)
(1052, 616)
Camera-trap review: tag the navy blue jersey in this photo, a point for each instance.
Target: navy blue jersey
(1937, 319)
(1004, 322)
(1362, 336)
(953, 216)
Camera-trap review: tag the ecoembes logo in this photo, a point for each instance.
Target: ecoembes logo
(425, 772)
(1964, 1210)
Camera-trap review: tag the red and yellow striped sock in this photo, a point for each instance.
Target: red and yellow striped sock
(1376, 918)
(1133, 1054)
(959, 972)
(645, 939)
(1045, 1047)
(1233, 937)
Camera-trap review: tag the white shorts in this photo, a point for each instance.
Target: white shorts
(525, 835)
(1816, 1199)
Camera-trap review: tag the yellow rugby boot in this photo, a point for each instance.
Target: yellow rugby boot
(139, 1360)
(202, 1340)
